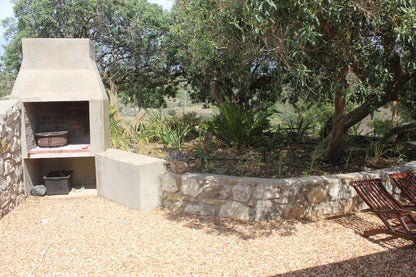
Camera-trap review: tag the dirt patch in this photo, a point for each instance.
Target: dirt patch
(292, 159)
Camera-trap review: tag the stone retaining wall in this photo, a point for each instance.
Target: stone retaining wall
(11, 171)
(263, 199)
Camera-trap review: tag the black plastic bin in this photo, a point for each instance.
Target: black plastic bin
(58, 182)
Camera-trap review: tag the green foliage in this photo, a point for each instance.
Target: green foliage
(6, 83)
(131, 39)
(174, 135)
(220, 63)
(144, 97)
(298, 131)
(318, 115)
(237, 127)
(203, 146)
(179, 135)
(407, 107)
(381, 127)
(150, 126)
(169, 130)
(259, 51)
(375, 152)
(118, 137)
(307, 53)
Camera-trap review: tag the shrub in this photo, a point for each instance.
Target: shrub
(381, 127)
(174, 136)
(237, 127)
(118, 137)
(150, 126)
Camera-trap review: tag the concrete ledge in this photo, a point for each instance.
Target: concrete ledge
(129, 179)
(262, 199)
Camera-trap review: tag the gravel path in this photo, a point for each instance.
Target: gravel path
(95, 237)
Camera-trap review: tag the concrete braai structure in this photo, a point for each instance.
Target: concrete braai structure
(60, 89)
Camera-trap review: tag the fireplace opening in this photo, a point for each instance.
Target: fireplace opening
(57, 124)
(82, 171)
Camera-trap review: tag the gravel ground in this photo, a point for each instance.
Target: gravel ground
(92, 236)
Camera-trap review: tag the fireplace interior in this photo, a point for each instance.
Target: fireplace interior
(57, 119)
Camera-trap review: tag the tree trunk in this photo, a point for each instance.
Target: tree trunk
(216, 92)
(113, 97)
(398, 132)
(355, 116)
(394, 119)
(336, 137)
(394, 115)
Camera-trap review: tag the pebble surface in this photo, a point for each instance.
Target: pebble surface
(92, 236)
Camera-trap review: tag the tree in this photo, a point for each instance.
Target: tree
(371, 39)
(130, 36)
(312, 46)
(220, 63)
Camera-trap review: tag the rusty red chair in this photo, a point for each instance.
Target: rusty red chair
(398, 221)
(406, 182)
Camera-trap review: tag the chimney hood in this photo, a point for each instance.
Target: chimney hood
(58, 70)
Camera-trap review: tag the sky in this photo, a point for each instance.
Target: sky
(6, 10)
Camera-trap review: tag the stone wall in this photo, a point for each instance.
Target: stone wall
(263, 199)
(11, 171)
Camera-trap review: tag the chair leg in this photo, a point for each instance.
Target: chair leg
(380, 230)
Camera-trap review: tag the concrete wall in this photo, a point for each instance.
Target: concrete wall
(262, 199)
(11, 171)
(129, 179)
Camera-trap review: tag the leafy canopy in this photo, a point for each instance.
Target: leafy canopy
(130, 36)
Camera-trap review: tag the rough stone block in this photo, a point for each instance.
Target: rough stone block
(188, 198)
(4, 145)
(38, 190)
(3, 184)
(190, 186)
(334, 189)
(15, 148)
(347, 192)
(266, 209)
(173, 205)
(236, 210)
(10, 132)
(215, 194)
(324, 208)
(8, 167)
(17, 158)
(169, 183)
(267, 191)
(284, 198)
(1, 167)
(317, 195)
(210, 209)
(241, 193)
(171, 196)
(350, 205)
(195, 209)
(294, 211)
